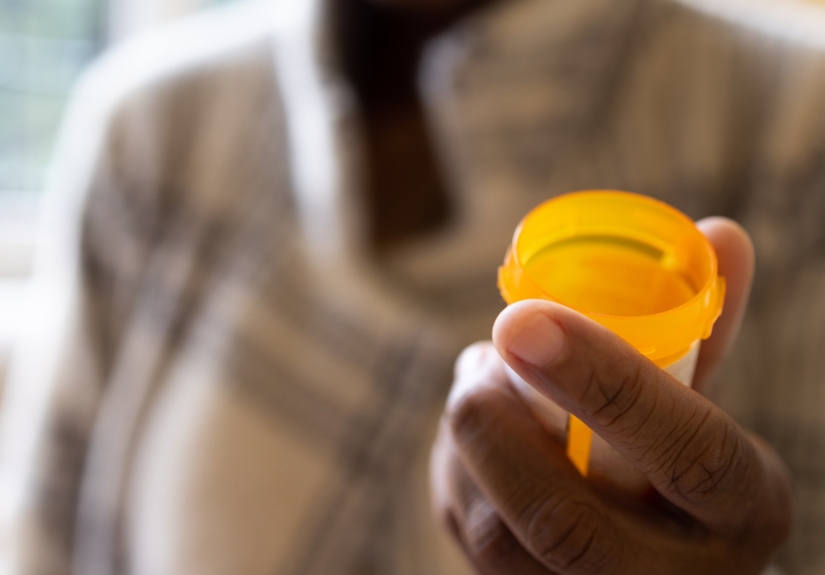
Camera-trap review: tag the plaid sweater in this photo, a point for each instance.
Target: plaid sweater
(226, 380)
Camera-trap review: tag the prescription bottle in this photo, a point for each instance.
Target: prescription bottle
(629, 262)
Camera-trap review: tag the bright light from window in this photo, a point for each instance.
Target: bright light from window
(43, 46)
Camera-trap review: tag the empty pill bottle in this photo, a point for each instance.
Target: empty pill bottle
(634, 264)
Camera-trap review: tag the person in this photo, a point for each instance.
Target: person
(292, 213)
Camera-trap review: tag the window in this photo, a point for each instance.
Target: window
(43, 46)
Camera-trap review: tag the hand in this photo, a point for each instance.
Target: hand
(503, 486)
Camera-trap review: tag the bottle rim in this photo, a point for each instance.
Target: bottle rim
(627, 214)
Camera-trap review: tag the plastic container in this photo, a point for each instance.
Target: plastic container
(633, 264)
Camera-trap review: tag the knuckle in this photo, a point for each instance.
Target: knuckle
(444, 511)
(489, 539)
(472, 356)
(615, 395)
(471, 414)
(568, 534)
(447, 518)
(706, 468)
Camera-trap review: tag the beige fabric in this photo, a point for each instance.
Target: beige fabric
(247, 390)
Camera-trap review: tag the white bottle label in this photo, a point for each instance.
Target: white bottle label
(683, 368)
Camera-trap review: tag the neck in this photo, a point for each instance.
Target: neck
(381, 48)
(382, 45)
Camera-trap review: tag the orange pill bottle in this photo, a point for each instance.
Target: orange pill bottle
(629, 262)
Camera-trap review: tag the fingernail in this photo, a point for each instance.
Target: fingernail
(538, 342)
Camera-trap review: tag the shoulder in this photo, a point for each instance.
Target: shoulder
(753, 70)
(780, 47)
(209, 65)
(774, 48)
(173, 122)
(209, 44)
(141, 94)
(798, 23)
(173, 97)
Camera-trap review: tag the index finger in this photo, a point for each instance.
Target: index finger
(692, 452)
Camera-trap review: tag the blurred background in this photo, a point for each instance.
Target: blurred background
(44, 45)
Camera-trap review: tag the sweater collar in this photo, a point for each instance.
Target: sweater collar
(507, 89)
